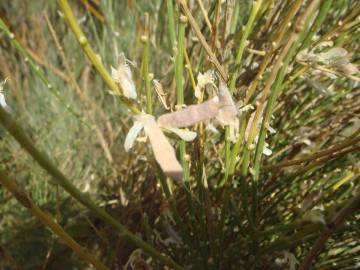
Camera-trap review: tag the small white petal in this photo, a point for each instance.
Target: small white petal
(203, 80)
(271, 130)
(184, 134)
(122, 75)
(132, 134)
(267, 151)
(2, 100)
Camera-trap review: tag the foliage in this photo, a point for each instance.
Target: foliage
(277, 189)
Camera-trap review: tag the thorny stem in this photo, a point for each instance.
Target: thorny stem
(24, 199)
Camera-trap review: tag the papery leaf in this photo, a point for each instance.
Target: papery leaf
(132, 134)
(203, 80)
(228, 113)
(163, 151)
(346, 68)
(313, 216)
(290, 257)
(190, 115)
(319, 87)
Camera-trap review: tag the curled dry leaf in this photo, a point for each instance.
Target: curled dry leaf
(291, 259)
(163, 151)
(318, 87)
(202, 81)
(190, 115)
(346, 68)
(122, 75)
(332, 55)
(228, 113)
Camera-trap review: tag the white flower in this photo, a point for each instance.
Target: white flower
(122, 75)
(163, 151)
(132, 134)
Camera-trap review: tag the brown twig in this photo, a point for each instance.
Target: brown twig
(327, 152)
(350, 208)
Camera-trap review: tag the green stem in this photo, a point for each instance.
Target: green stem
(243, 42)
(146, 74)
(171, 23)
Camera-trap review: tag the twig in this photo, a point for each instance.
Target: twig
(23, 198)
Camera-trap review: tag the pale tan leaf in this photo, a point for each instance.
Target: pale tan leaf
(228, 113)
(163, 151)
(332, 54)
(190, 115)
(202, 80)
(346, 68)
